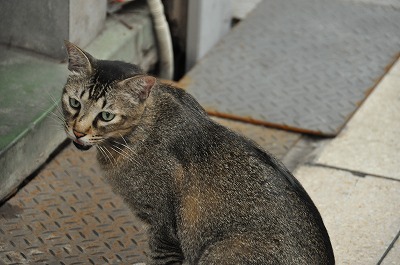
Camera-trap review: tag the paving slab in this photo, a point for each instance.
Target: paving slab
(370, 142)
(393, 257)
(362, 214)
(395, 70)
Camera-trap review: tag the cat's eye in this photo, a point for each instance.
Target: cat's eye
(74, 103)
(106, 116)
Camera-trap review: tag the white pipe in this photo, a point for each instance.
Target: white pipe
(163, 39)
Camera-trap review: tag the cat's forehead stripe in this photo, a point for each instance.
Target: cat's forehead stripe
(104, 103)
(97, 91)
(84, 95)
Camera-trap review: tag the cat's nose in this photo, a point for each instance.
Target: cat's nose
(78, 134)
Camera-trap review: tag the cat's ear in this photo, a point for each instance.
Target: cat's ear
(141, 86)
(79, 61)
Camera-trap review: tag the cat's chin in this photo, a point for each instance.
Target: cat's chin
(81, 146)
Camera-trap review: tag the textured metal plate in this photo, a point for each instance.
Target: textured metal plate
(68, 215)
(304, 65)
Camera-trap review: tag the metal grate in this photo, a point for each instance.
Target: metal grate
(68, 215)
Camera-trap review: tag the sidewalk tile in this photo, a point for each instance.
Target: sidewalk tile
(370, 143)
(393, 257)
(362, 214)
(395, 70)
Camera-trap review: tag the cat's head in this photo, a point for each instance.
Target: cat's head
(102, 100)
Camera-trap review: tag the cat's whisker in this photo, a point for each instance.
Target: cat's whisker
(119, 148)
(55, 122)
(123, 139)
(103, 153)
(108, 151)
(123, 153)
(128, 151)
(57, 126)
(100, 141)
(53, 99)
(96, 140)
(58, 111)
(126, 144)
(55, 115)
(46, 98)
(102, 150)
(57, 104)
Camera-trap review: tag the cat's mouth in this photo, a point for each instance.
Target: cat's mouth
(81, 146)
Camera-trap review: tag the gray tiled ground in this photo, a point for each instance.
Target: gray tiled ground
(360, 213)
(303, 64)
(393, 257)
(395, 70)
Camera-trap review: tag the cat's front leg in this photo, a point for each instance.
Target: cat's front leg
(164, 248)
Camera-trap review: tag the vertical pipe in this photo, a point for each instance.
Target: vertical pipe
(163, 39)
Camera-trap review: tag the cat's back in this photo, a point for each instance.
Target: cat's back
(227, 189)
(233, 187)
(246, 192)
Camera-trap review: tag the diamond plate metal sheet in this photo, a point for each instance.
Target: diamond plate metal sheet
(68, 215)
(304, 65)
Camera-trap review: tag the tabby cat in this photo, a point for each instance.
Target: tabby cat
(208, 195)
